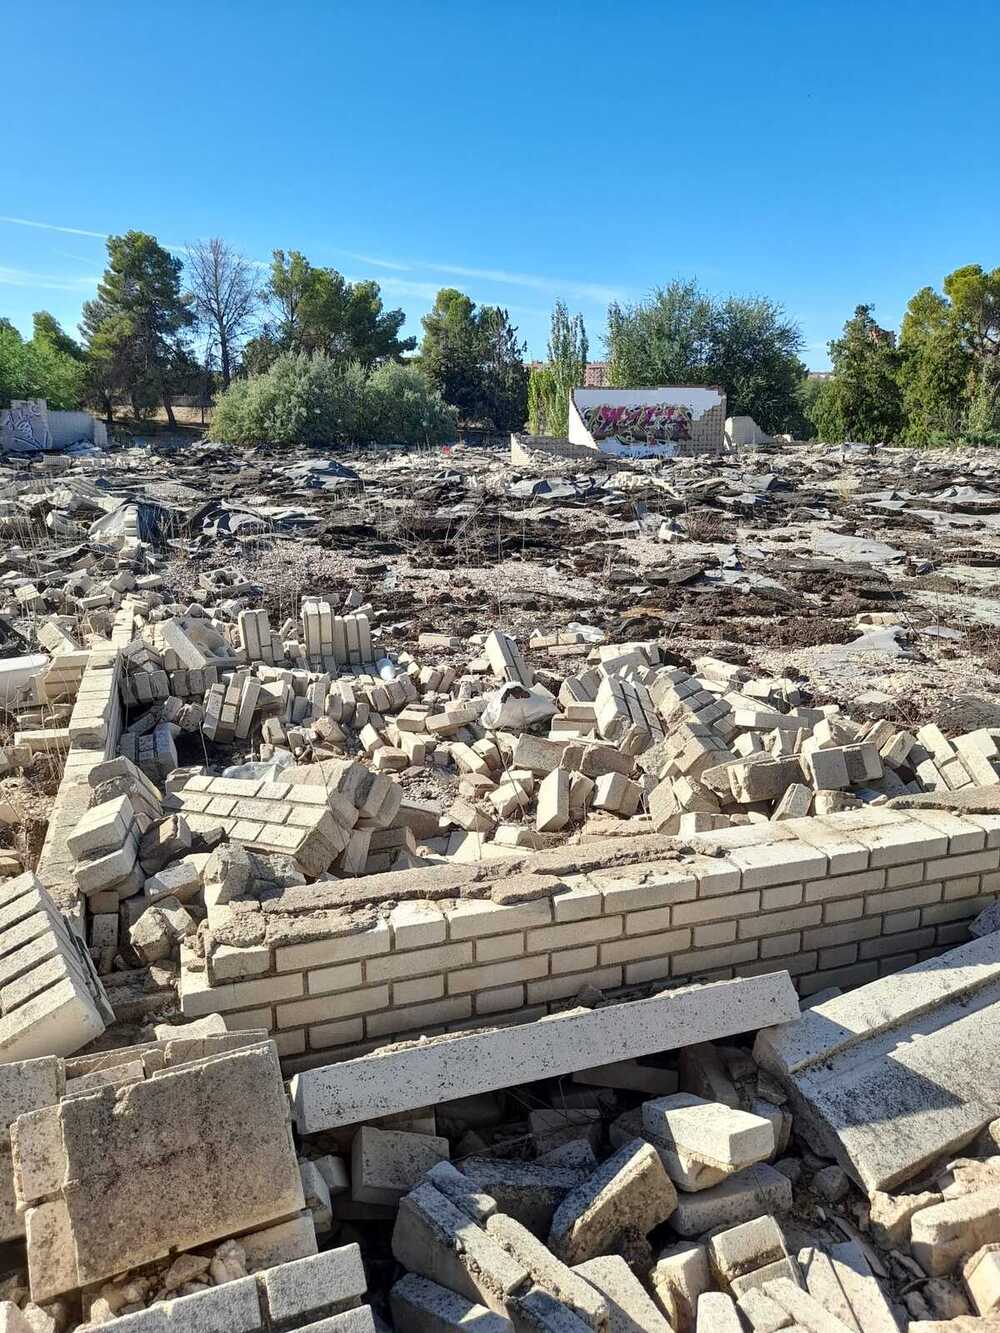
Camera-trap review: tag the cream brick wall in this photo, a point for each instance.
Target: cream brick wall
(910, 883)
(95, 728)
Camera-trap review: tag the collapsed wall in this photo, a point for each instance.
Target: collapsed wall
(839, 899)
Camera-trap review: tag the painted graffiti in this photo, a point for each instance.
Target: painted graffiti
(643, 424)
(24, 427)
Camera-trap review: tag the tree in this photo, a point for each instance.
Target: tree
(472, 357)
(224, 294)
(566, 370)
(505, 376)
(310, 399)
(40, 367)
(936, 368)
(319, 310)
(863, 400)
(802, 422)
(975, 304)
(291, 280)
(664, 340)
(753, 353)
(450, 352)
(745, 344)
(541, 400)
(404, 409)
(46, 327)
(135, 328)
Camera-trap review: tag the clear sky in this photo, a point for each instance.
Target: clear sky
(522, 150)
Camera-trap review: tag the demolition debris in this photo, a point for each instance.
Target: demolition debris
(456, 891)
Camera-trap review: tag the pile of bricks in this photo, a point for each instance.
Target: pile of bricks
(50, 997)
(224, 1165)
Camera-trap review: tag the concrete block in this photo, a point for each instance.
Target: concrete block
(461, 1191)
(679, 1277)
(548, 1272)
(743, 1249)
(870, 1310)
(436, 1240)
(52, 1000)
(386, 1164)
(941, 1236)
(981, 1274)
(630, 1191)
(316, 1286)
(421, 1306)
(630, 1308)
(701, 1143)
(537, 1311)
(749, 1194)
(717, 1314)
(553, 807)
(761, 1313)
(803, 1308)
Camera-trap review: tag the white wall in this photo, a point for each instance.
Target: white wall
(698, 400)
(69, 427)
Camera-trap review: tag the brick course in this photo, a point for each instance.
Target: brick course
(904, 888)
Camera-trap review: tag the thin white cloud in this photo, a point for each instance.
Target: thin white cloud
(19, 277)
(51, 226)
(423, 291)
(580, 291)
(77, 259)
(378, 263)
(599, 293)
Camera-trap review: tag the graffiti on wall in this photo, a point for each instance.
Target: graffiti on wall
(24, 427)
(643, 424)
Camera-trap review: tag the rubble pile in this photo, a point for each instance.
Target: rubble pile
(499, 809)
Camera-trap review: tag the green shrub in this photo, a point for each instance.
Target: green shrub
(402, 408)
(311, 400)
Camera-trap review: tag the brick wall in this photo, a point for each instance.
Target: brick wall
(95, 728)
(837, 900)
(707, 431)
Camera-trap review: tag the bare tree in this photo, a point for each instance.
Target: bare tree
(225, 293)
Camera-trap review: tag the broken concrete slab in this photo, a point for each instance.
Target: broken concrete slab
(216, 1155)
(408, 1076)
(853, 1065)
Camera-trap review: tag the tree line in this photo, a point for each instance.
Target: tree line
(295, 349)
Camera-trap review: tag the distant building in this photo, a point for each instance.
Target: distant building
(595, 377)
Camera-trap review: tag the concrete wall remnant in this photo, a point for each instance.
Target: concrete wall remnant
(650, 422)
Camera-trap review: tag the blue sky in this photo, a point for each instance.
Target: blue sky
(821, 154)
